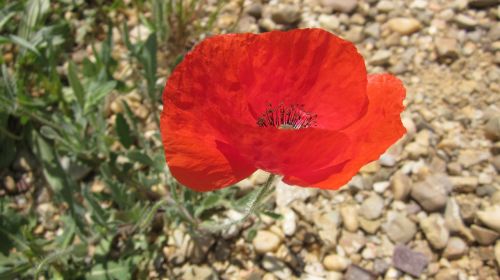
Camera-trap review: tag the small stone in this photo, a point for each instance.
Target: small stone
(480, 4)
(465, 22)
(464, 184)
(435, 230)
(400, 229)
(373, 30)
(380, 58)
(343, 6)
(468, 158)
(369, 226)
(330, 22)
(285, 14)
(483, 235)
(286, 194)
(199, 272)
(492, 128)
(355, 272)
(266, 241)
(447, 274)
(447, 48)
(352, 243)
(401, 185)
(380, 266)
(490, 217)
(409, 261)
(404, 26)
(385, 6)
(454, 220)
(355, 34)
(9, 184)
(372, 207)
(254, 9)
(289, 222)
(455, 249)
(336, 263)
(349, 214)
(432, 193)
(276, 267)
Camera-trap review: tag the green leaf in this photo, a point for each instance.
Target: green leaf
(75, 84)
(49, 132)
(61, 183)
(109, 271)
(25, 44)
(96, 94)
(123, 131)
(273, 215)
(141, 157)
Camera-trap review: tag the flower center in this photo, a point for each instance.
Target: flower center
(287, 117)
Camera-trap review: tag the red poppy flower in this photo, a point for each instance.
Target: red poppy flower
(298, 103)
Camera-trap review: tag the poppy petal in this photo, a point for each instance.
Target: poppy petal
(195, 157)
(371, 135)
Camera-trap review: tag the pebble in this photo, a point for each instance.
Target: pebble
(336, 263)
(468, 158)
(435, 230)
(289, 222)
(355, 272)
(404, 26)
(483, 235)
(380, 58)
(409, 261)
(480, 4)
(492, 128)
(286, 194)
(447, 274)
(343, 6)
(349, 214)
(490, 217)
(277, 267)
(372, 207)
(465, 22)
(455, 249)
(400, 229)
(330, 22)
(432, 193)
(454, 221)
(266, 241)
(352, 243)
(385, 6)
(285, 14)
(447, 49)
(464, 184)
(369, 226)
(400, 185)
(254, 9)
(199, 272)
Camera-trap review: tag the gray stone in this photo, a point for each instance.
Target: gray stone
(277, 267)
(435, 230)
(409, 261)
(372, 207)
(492, 128)
(373, 30)
(455, 249)
(330, 22)
(400, 229)
(344, 6)
(490, 217)
(479, 4)
(254, 9)
(465, 22)
(380, 58)
(432, 193)
(285, 14)
(483, 235)
(355, 272)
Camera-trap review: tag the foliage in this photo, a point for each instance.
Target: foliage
(57, 109)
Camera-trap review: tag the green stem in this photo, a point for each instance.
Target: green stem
(251, 207)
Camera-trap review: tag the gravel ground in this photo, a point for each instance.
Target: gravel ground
(430, 207)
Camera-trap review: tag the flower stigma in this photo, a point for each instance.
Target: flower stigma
(287, 117)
